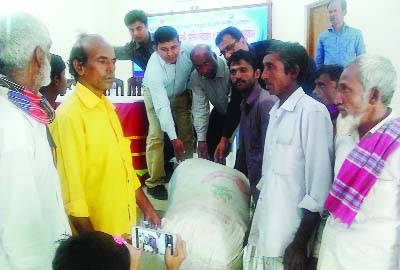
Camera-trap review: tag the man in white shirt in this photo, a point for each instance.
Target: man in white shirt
(167, 105)
(32, 216)
(363, 229)
(296, 169)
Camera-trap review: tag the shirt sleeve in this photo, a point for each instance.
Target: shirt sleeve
(317, 144)
(200, 108)
(68, 134)
(154, 81)
(319, 58)
(360, 46)
(125, 52)
(232, 117)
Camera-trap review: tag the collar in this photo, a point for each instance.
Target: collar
(137, 45)
(293, 99)
(331, 29)
(89, 99)
(387, 119)
(255, 93)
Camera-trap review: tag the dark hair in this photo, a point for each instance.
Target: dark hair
(334, 71)
(343, 3)
(91, 250)
(246, 56)
(134, 16)
(78, 52)
(57, 66)
(165, 34)
(233, 31)
(291, 54)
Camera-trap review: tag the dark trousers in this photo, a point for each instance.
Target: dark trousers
(214, 131)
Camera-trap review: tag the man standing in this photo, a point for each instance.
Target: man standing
(100, 187)
(58, 82)
(340, 43)
(32, 216)
(297, 165)
(140, 48)
(363, 229)
(230, 40)
(168, 105)
(210, 83)
(256, 104)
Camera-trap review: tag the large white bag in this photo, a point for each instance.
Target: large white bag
(209, 207)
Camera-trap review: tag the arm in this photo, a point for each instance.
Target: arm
(147, 208)
(126, 52)
(319, 54)
(81, 224)
(174, 262)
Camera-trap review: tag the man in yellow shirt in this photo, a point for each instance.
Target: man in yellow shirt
(99, 185)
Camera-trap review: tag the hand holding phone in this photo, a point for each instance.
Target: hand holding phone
(153, 241)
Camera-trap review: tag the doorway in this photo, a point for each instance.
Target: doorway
(317, 23)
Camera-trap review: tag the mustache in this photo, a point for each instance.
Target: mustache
(239, 81)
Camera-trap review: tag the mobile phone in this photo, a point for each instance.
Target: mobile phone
(153, 241)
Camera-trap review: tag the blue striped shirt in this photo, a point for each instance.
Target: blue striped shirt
(339, 48)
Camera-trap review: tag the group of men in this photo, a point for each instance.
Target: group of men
(286, 143)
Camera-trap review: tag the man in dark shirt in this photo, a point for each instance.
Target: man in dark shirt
(255, 107)
(230, 40)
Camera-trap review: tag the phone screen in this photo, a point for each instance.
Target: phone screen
(153, 241)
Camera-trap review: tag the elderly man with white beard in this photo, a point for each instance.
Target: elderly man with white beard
(32, 216)
(363, 229)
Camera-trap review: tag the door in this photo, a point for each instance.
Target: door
(318, 22)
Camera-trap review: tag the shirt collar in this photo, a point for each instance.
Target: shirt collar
(331, 29)
(137, 45)
(387, 119)
(89, 99)
(293, 99)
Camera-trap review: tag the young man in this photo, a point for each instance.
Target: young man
(58, 83)
(340, 43)
(32, 216)
(296, 168)
(100, 186)
(210, 83)
(363, 229)
(168, 105)
(256, 104)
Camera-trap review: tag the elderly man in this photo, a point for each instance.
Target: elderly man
(210, 83)
(296, 168)
(340, 43)
(363, 229)
(100, 187)
(168, 105)
(58, 82)
(32, 216)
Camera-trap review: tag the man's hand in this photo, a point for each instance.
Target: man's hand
(153, 218)
(179, 150)
(221, 151)
(202, 150)
(173, 262)
(135, 256)
(295, 257)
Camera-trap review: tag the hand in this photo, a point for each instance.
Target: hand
(295, 257)
(179, 150)
(153, 218)
(135, 256)
(202, 150)
(221, 151)
(173, 262)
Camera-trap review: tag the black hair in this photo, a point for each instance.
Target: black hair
(291, 54)
(233, 31)
(165, 34)
(57, 66)
(90, 251)
(343, 3)
(334, 71)
(246, 56)
(78, 52)
(134, 16)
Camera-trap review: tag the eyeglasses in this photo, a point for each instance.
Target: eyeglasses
(228, 48)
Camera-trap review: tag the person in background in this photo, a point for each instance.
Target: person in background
(210, 84)
(98, 250)
(168, 105)
(256, 104)
(32, 215)
(340, 43)
(100, 186)
(58, 82)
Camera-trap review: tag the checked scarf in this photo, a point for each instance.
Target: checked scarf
(360, 171)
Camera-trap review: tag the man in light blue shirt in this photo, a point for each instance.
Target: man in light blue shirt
(340, 43)
(167, 105)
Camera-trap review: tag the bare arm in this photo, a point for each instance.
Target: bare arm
(81, 224)
(147, 208)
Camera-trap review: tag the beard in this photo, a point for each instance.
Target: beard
(42, 78)
(347, 124)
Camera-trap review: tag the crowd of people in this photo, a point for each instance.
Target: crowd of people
(317, 140)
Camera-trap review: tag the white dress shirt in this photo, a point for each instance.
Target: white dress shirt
(165, 80)
(32, 216)
(296, 171)
(372, 240)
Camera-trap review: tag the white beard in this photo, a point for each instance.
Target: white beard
(42, 78)
(348, 124)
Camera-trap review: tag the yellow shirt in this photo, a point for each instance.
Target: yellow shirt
(94, 162)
